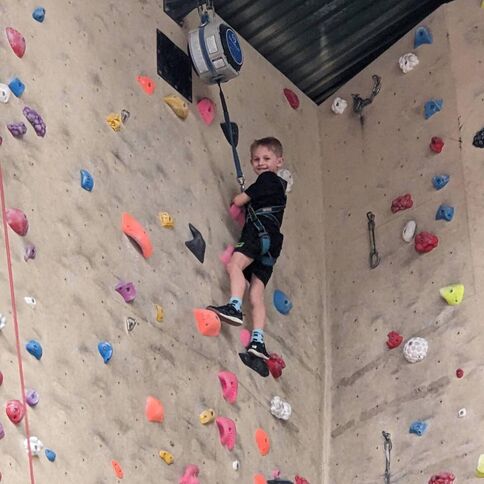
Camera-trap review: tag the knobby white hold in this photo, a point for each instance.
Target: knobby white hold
(409, 230)
(415, 349)
(280, 408)
(30, 300)
(4, 93)
(339, 105)
(408, 62)
(235, 465)
(36, 445)
(3, 321)
(286, 175)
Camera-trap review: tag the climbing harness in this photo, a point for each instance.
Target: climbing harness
(374, 256)
(388, 449)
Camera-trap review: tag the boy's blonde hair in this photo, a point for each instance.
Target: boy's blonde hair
(270, 143)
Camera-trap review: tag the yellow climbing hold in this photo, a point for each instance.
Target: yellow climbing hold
(166, 220)
(114, 120)
(207, 416)
(178, 105)
(453, 294)
(480, 466)
(482, 4)
(160, 313)
(167, 457)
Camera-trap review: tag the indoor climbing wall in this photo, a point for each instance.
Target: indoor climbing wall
(80, 66)
(368, 163)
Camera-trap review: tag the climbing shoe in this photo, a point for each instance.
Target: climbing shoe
(228, 314)
(258, 349)
(254, 363)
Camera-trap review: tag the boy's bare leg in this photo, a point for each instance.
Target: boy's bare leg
(235, 268)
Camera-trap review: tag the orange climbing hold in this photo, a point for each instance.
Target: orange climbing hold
(117, 469)
(132, 228)
(263, 443)
(147, 84)
(259, 479)
(154, 410)
(208, 323)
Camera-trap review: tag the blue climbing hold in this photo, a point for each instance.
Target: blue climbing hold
(87, 181)
(16, 86)
(281, 302)
(439, 181)
(445, 212)
(50, 454)
(34, 348)
(105, 350)
(418, 427)
(433, 106)
(39, 15)
(422, 36)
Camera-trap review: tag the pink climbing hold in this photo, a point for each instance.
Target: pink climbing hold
(227, 432)
(206, 109)
(276, 364)
(436, 144)
(230, 385)
(226, 255)
(292, 98)
(237, 214)
(442, 478)
(459, 373)
(15, 411)
(402, 203)
(394, 339)
(127, 290)
(301, 480)
(245, 337)
(425, 242)
(17, 220)
(16, 41)
(191, 475)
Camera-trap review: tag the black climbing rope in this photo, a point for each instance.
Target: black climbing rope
(388, 449)
(374, 256)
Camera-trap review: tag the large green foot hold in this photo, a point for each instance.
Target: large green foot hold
(255, 363)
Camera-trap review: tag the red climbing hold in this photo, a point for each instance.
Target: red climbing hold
(1, 378)
(442, 478)
(208, 323)
(245, 336)
(292, 98)
(154, 410)
(276, 364)
(402, 203)
(206, 109)
(425, 242)
(436, 144)
(301, 480)
(16, 41)
(237, 214)
(459, 373)
(118, 471)
(190, 476)
(259, 479)
(394, 339)
(147, 84)
(15, 411)
(18, 221)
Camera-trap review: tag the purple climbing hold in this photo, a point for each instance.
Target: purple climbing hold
(127, 290)
(35, 119)
(30, 252)
(17, 129)
(32, 397)
(2, 432)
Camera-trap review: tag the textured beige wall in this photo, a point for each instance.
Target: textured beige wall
(80, 65)
(374, 389)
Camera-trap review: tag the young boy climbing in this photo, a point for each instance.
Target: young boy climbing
(260, 243)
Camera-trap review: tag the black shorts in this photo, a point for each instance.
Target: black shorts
(249, 245)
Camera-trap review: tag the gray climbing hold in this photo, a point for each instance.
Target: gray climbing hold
(197, 244)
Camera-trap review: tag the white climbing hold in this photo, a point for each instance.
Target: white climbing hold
(462, 413)
(339, 105)
(415, 349)
(408, 62)
(130, 324)
(36, 445)
(4, 93)
(3, 321)
(280, 408)
(286, 175)
(409, 230)
(30, 300)
(235, 465)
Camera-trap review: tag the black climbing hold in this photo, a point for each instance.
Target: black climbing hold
(255, 363)
(197, 244)
(235, 132)
(478, 140)
(279, 481)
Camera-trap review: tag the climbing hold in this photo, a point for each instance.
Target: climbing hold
(276, 364)
(15, 411)
(190, 475)
(227, 432)
(36, 445)
(50, 454)
(125, 116)
(32, 397)
(166, 220)
(197, 244)
(235, 132)
(459, 373)
(230, 385)
(394, 339)
(255, 363)
(208, 322)
(259, 479)
(235, 465)
(453, 294)
(30, 252)
(154, 410)
(292, 98)
(16, 41)
(478, 140)
(480, 462)
(415, 349)
(2, 432)
(262, 441)
(16, 86)
(237, 214)
(442, 478)
(35, 119)
(127, 290)
(339, 105)
(4, 93)
(207, 416)
(39, 14)
(402, 203)
(439, 181)
(462, 413)
(178, 105)
(408, 62)
(30, 300)
(133, 229)
(436, 144)
(422, 36)
(114, 120)
(167, 457)
(286, 175)
(226, 255)
(130, 324)
(418, 427)
(3, 321)
(433, 106)
(147, 84)
(105, 349)
(245, 337)
(160, 313)
(206, 109)
(87, 181)
(409, 230)
(300, 480)
(1, 378)
(118, 471)
(34, 348)
(445, 212)
(425, 242)
(282, 302)
(280, 408)
(17, 130)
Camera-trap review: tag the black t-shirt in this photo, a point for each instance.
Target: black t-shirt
(269, 190)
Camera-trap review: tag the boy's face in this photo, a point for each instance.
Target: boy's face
(263, 159)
